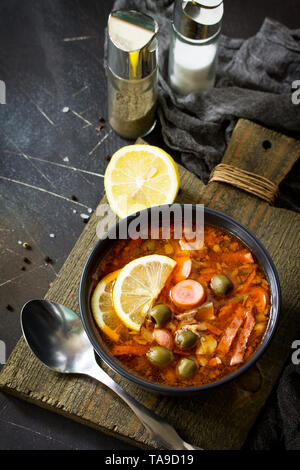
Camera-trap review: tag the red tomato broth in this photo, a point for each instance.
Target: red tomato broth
(222, 253)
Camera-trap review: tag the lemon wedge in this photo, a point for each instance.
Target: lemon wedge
(140, 176)
(102, 307)
(137, 287)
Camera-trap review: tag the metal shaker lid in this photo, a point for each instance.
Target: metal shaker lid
(198, 19)
(132, 44)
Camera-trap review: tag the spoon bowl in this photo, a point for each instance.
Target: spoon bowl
(55, 335)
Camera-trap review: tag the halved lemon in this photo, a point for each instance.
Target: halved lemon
(102, 307)
(140, 176)
(137, 287)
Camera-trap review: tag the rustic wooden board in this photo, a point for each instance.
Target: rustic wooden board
(223, 418)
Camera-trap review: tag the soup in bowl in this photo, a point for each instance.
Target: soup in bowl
(179, 316)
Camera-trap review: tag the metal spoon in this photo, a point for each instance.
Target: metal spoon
(56, 336)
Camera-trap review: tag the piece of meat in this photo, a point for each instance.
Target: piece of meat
(231, 331)
(214, 362)
(241, 345)
(163, 338)
(242, 256)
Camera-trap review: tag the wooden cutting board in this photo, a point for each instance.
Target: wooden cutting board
(223, 418)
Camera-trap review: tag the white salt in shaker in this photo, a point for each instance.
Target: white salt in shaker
(193, 52)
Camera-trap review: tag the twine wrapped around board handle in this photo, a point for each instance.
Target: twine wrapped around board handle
(246, 180)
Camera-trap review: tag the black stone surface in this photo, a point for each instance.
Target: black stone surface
(51, 58)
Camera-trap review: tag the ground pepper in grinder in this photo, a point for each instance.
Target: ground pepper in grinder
(132, 73)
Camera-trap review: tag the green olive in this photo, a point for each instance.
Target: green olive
(186, 368)
(149, 245)
(161, 314)
(160, 356)
(220, 284)
(185, 339)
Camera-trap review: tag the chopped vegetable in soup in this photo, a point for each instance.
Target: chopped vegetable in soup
(203, 323)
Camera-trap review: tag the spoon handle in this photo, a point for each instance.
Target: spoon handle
(159, 430)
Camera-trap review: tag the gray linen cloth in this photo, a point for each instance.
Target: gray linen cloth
(254, 81)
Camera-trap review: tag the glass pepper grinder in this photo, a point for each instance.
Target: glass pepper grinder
(132, 73)
(194, 44)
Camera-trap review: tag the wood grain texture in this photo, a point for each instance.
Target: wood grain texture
(222, 418)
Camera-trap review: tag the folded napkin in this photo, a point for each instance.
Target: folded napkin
(278, 426)
(254, 81)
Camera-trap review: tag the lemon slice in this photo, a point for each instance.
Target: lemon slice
(138, 285)
(140, 176)
(102, 307)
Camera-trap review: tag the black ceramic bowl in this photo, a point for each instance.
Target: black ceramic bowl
(212, 217)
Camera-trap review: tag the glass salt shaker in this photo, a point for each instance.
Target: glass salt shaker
(194, 44)
(132, 70)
